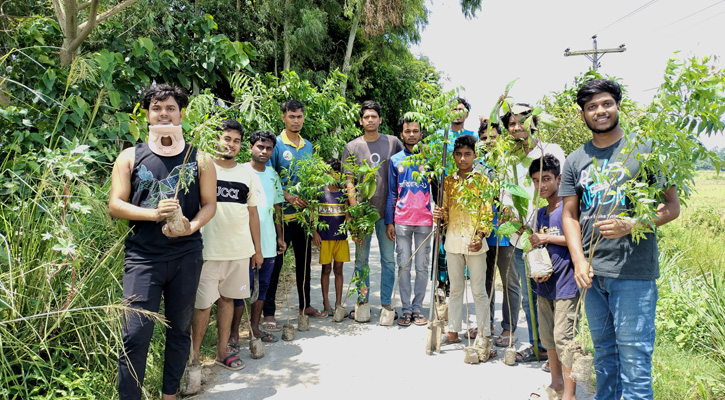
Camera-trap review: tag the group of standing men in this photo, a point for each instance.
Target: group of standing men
(244, 243)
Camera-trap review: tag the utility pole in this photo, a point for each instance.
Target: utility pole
(594, 55)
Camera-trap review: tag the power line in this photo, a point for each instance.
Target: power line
(695, 13)
(649, 3)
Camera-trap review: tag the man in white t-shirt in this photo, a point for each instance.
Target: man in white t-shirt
(515, 122)
(231, 246)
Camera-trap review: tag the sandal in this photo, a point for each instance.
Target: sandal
(233, 348)
(271, 326)
(419, 320)
(527, 355)
(446, 341)
(268, 338)
(471, 333)
(503, 340)
(404, 320)
(328, 312)
(227, 363)
(545, 367)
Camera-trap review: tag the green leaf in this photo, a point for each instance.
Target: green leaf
(114, 97)
(516, 190)
(147, 44)
(184, 80)
(509, 228)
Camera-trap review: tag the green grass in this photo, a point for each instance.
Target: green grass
(688, 361)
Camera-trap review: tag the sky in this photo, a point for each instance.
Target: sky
(525, 41)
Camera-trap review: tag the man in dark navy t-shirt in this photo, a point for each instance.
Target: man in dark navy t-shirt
(161, 258)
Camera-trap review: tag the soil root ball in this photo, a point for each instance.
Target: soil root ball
(288, 332)
(571, 350)
(470, 355)
(175, 222)
(256, 348)
(303, 323)
(191, 384)
(362, 312)
(387, 316)
(483, 346)
(340, 313)
(509, 358)
(433, 338)
(583, 369)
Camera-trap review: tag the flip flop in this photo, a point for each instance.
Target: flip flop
(268, 338)
(228, 361)
(404, 320)
(419, 320)
(545, 367)
(329, 312)
(503, 340)
(315, 314)
(471, 333)
(271, 326)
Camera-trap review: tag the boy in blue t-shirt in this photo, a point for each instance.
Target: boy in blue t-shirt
(331, 241)
(558, 293)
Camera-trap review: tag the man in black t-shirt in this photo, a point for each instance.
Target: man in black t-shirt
(617, 272)
(161, 258)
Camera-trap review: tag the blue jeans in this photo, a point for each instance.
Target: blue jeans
(621, 315)
(521, 269)
(407, 239)
(387, 261)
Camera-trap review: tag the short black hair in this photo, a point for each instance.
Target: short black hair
(371, 105)
(484, 127)
(262, 135)
(406, 120)
(593, 88)
(292, 105)
(546, 163)
(465, 140)
(461, 100)
(161, 92)
(231, 124)
(507, 117)
(334, 163)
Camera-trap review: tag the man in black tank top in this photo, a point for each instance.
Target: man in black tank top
(160, 260)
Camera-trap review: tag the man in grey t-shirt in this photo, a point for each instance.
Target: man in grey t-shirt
(376, 149)
(619, 274)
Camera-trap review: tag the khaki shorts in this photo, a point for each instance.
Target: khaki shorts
(556, 321)
(222, 278)
(339, 250)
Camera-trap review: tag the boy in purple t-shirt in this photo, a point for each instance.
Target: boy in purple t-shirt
(558, 293)
(331, 241)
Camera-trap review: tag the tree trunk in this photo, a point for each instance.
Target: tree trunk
(286, 33)
(239, 9)
(4, 98)
(350, 42)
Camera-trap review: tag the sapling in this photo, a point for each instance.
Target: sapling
(362, 220)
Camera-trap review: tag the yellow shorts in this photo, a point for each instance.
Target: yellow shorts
(222, 278)
(339, 250)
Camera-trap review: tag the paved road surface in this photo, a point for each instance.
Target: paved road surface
(350, 360)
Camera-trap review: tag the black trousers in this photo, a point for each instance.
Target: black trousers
(294, 234)
(143, 285)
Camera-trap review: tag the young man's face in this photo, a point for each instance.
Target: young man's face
(461, 113)
(488, 137)
(464, 157)
(293, 120)
(601, 113)
(411, 133)
(262, 150)
(547, 181)
(370, 121)
(516, 127)
(164, 112)
(230, 142)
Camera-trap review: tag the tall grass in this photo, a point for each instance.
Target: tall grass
(60, 280)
